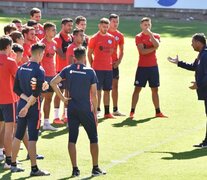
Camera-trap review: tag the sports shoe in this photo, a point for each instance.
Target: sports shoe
(201, 145)
(98, 114)
(57, 121)
(131, 115)
(16, 169)
(39, 173)
(48, 127)
(76, 172)
(109, 116)
(6, 166)
(1, 157)
(97, 172)
(38, 156)
(160, 115)
(65, 120)
(117, 113)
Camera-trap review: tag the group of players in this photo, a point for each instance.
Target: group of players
(43, 57)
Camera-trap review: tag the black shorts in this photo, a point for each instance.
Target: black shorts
(8, 112)
(105, 79)
(116, 73)
(147, 74)
(87, 120)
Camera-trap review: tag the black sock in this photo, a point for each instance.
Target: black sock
(132, 110)
(157, 110)
(96, 166)
(8, 160)
(106, 108)
(14, 164)
(34, 168)
(75, 168)
(98, 109)
(115, 109)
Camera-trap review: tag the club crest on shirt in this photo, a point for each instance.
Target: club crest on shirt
(109, 41)
(116, 38)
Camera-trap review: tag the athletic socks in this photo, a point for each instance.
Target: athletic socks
(1, 151)
(132, 110)
(66, 112)
(14, 164)
(56, 113)
(157, 110)
(106, 108)
(8, 160)
(98, 109)
(34, 168)
(115, 109)
(46, 121)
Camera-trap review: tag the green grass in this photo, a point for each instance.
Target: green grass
(145, 148)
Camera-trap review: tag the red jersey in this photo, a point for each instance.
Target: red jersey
(103, 47)
(119, 40)
(40, 33)
(27, 52)
(70, 52)
(48, 60)
(61, 63)
(8, 68)
(146, 60)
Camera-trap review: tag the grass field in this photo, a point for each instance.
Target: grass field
(145, 148)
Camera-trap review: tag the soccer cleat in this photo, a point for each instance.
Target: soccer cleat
(1, 157)
(39, 173)
(57, 121)
(97, 172)
(160, 115)
(109, 116)
(201, 145)
(48, 127)
(6, 166)
(38, 156)
(131, 115)
(117, 113)
(16, 169)
(76, 172)
(65, 120)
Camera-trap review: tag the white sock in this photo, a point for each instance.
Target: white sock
(66, 112)
(1, 151)
(46, 121)
(56, 113)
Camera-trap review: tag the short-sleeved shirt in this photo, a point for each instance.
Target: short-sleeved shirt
(61, 63)
(119, 40)
(27, 51)
(27, 75)
(146, 60)
(40, 33)
(103, 47)
(70, 51)
(48, 61)
(79, 79)
(8, 69)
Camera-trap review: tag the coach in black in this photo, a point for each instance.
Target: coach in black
(200, 68)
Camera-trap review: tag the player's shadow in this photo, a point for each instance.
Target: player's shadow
(132, 122)
(71, 177)
(54, 134)
(192, 154)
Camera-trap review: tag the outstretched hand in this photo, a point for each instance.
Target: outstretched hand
(173, 60)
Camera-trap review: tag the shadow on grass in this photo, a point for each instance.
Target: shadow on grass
(71, 177)
(132, 122)
(6, 176)
(195, 153)
(53, 134)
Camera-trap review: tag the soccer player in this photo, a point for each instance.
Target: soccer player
(81, 23)
(80, 110)
(9, 28)
(147, 71)
(28, 82)
(48, 63)
(8, 99)
(101, 45)
(78, 37)
(17, 37)
(18, 24)
(116, 58)
(63, 39)
(18, 50)
(200, 68)
(35, 14)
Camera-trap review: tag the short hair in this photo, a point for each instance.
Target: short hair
(66, 20)
(27, 29)
(104, 21)
(31, 23)
(4, 42)
(145, 19)
(15, 35)
(17, 48)
(9, 28)
(48, 25)
(200, 37)
(16, 21)
(115, 16)
(78, 19)
(34, 11)
(79, 52)
(37, 47)
(76, 31)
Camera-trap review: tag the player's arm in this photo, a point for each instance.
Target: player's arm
(54, 84)
(154, 40)
(120, 56)
(94, 98)
(60, 52)
(142, 50)
(90, 56)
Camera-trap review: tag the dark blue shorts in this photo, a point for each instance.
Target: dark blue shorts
(31, 120)
(88, 121)
(116, 73)
(105, 79)
(48, 79)
(8, 112)
(147, 74)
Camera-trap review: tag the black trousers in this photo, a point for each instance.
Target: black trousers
(205, 103)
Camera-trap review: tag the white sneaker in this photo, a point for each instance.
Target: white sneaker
(117, 113)
(6, 166)
(49, 127)
(98, 114)
(1, 157)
